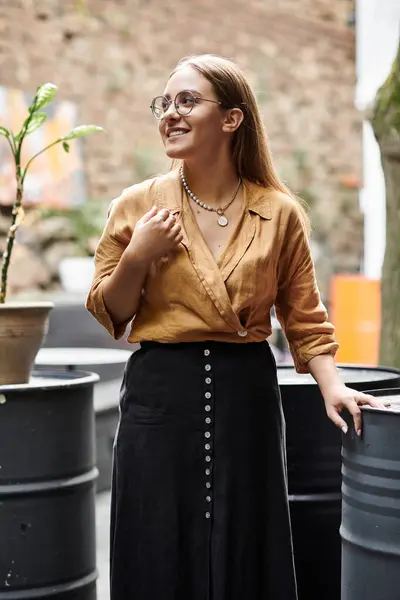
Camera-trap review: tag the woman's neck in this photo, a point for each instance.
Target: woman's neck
(212, 182)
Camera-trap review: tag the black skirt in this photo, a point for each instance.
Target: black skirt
(199, 501)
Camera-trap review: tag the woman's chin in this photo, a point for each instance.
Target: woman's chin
(176, 152)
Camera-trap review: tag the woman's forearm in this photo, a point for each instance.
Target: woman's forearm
(123, 288)
(325, 373)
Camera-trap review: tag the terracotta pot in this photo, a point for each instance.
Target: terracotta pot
(22, 329)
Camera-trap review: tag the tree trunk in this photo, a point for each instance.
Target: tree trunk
(386, 125)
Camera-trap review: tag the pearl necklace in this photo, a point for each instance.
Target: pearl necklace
(222, 219)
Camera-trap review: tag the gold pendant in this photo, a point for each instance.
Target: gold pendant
(222, 221)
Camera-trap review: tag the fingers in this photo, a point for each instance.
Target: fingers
(178, 238)
(170, 222)
(334, 415)
(353, 407)
(150, 214)
(162, 215)
(362, 400)
(166, 224)
(365, 398)
(350, 400)
(354, 410)
(368, 400)
(175, 230)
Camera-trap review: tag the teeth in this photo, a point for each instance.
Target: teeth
(175, 133)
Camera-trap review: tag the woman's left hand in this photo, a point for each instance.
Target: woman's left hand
(340, 397)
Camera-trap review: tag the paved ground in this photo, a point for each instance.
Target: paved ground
(102, 531)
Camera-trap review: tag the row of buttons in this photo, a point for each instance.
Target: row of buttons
(207, 435)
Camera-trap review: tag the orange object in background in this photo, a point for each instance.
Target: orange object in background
(355, 311)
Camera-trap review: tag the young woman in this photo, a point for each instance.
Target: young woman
(194, 261)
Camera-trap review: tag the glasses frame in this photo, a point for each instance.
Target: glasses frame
(170, 102)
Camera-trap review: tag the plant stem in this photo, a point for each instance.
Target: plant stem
(5, 262)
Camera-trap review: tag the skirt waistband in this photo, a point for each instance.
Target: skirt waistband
(222, 349)
(148, 345)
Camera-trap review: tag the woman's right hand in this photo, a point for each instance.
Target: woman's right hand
(154, 236)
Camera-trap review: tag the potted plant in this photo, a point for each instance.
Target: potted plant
(23, 325)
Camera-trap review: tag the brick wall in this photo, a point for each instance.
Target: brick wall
(112, 56)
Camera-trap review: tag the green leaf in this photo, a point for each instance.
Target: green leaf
(4, 131)
(81, 131)
(43, 97)
(36, 121)
(66, 147)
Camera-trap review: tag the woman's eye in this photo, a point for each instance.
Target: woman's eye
(188, 100)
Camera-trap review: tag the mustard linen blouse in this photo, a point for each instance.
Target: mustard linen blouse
(191, 297)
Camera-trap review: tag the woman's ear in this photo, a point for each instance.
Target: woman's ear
(233, 118)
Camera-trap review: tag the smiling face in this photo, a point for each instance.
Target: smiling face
(203, 132)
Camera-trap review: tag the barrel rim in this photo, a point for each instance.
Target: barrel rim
(344, 367)
(45, 486)
(67, 380)
(355, 366)
(51, 589)
(381, 393)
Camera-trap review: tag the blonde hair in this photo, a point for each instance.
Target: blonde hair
(250, 147)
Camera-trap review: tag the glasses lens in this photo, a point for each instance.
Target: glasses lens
(159, 106)
(185, 102)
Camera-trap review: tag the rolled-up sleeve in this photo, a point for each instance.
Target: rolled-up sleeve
(112, 244)
(298, 304)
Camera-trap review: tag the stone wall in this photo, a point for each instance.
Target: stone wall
(112, 56)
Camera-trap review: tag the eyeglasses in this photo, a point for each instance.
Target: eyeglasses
(184, 103)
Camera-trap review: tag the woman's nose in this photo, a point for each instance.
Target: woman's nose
(171, 113)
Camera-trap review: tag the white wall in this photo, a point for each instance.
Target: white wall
(377, 30)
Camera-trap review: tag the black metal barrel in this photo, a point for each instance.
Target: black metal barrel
(47, 488)
(370, 527)
(314, 475)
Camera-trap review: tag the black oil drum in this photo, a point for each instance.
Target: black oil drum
(370, 527)
(314, 475)
(47, 488)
